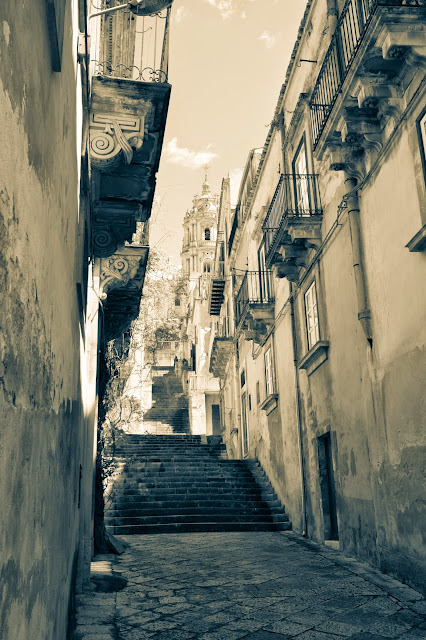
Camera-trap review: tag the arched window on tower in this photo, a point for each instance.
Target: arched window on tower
(206, 234)
(207, 267)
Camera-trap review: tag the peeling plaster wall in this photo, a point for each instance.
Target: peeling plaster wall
(41, 416)
(372, 401)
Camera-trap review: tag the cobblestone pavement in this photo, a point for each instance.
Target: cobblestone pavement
(256, 586)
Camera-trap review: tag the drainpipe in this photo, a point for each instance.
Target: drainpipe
(298, 412)
(332, 14)
(364, 315)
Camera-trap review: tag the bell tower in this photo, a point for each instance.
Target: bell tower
(199, 232)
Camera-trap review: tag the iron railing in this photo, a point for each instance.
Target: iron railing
(257, 288)
(131, 47)
(351, 28)
(203, 383)
(296, 195)
(220, 256)
(222, 327)
(233, 229)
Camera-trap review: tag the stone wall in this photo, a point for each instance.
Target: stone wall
(42, 433)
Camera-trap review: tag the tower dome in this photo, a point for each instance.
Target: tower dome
(200, 232)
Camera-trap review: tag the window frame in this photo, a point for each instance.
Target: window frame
(421, 133)
(269, 380)
(316, 327)
(297, 199)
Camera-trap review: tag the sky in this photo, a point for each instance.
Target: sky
(228, 60)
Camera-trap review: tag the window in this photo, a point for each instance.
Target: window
(207, 267)
(269, 374)
(177, 302)
(258, 392)
(55, 12)
(243, 378)
(206, 234)
(301, 187)
(311, 310)
(421, 127)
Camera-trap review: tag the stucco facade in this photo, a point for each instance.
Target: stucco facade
(63, 287)
(325, 368)
(44, 435)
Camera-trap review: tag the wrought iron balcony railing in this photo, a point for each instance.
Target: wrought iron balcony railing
(131, 47)
(222, 327)
(234, 228)
(351, 28)
(257, 289)
(220, 256)
(296, 196)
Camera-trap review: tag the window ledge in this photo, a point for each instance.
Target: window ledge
(418, 242)
(270, 403)
(315, 357)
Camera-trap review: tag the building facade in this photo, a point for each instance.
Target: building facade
(81, 142)
(197, 255)
(320, 339)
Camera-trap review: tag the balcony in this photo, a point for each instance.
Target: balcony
(374, 58)
(129, 103)
(292, 226)
(203, 384)
(235, 222)
(221, 349)
(255, 305)
(218, 279)
(121, 279)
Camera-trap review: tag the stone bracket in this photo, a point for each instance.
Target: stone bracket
(114, 136)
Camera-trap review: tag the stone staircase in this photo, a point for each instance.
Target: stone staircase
(184, 483)
(169, 412)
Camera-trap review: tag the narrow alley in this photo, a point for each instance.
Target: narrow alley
(251, 585)
(212, 332)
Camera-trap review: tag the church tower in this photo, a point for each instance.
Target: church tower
(199, 233)
(198, 252)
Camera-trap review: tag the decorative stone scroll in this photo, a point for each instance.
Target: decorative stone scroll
(113, 137)
(123, 269)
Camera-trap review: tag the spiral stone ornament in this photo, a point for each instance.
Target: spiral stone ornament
(105, 243)
(103, 149)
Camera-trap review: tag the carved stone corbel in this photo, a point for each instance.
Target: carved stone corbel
(396, 39)
(113, 137)
(123, 268)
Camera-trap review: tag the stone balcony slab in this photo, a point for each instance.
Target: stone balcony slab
(126, 133)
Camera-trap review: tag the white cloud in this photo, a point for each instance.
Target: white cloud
(186, 157)
(224, 6)
(228, 7)
(180, 14)
(268, 38)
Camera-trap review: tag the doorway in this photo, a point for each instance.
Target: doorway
(244, 424)
(328, 491)
(216, 420)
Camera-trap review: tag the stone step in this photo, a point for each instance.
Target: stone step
(194, 518)
(167, 480)
(136, 501)
(143, 475)
(189, 527)
(184, 509)
(219, 488)
(190, 458)
(197, 492)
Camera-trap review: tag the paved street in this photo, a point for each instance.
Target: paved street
(256, 586)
